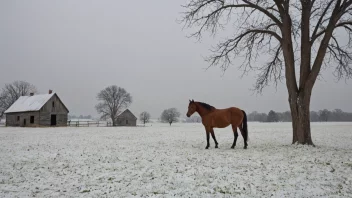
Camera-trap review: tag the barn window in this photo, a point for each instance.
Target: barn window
(53, 104)
(32, 120)
(18, 118)
(126, 121)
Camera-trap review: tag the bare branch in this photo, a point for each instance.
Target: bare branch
(249, 40)
(208, 14)
(315, 34)
(271, 71)
(263, 10)
(339, 54)
(342, 57)
(344, 23)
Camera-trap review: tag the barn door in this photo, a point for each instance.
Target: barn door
(53, 120)
(24, 122)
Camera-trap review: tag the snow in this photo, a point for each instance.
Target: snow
(164, 161)
(29, 103)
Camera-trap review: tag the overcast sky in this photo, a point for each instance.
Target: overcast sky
(79, 47)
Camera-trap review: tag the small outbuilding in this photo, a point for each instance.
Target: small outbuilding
(37, 110)
(126, 118)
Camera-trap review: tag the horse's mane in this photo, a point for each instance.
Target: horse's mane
(205, 105)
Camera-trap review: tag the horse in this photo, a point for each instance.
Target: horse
(220, 118)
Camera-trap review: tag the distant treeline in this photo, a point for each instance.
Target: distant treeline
(325, 115)
(79, 117)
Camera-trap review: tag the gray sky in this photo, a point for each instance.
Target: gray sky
(79, 47)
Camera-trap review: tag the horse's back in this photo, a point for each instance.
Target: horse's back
(224, 117)
(232, 110)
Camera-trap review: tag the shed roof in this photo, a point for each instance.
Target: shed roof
(127, 111)
(30, 103)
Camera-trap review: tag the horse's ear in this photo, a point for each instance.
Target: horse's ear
(192, 100)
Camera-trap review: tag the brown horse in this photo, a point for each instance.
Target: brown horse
(220, 118)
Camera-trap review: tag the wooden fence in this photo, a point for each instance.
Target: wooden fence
(88, 124)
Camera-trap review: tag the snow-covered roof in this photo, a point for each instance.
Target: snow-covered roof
(29, 103)
(125, 112)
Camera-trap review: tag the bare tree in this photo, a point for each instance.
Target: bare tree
(298, 35)
(272, 116)
(113, 100)
(144, 117)
(11, 92)
(170, 115)
(324, 115)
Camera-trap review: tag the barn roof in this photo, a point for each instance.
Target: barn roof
(30, 103)
(127, 111)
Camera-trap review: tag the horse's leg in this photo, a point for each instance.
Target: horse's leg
(234, 128)
(207, 131)
(213, 135)
(244, 137)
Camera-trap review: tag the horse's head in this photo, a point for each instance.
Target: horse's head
(191, 108)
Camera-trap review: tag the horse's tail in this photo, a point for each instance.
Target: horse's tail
(244, 125)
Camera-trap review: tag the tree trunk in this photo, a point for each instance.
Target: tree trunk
(113, 121)
(300, 106)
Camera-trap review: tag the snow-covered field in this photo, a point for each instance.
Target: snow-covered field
(163, 161)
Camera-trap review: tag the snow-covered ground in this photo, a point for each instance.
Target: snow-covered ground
(2, 122)
(164, 161)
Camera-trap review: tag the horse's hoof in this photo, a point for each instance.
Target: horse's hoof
(232, 147)
(216, 146)
(207, 147)
(245, 147)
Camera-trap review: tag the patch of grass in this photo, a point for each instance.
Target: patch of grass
(158, 193)
(85, 191)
